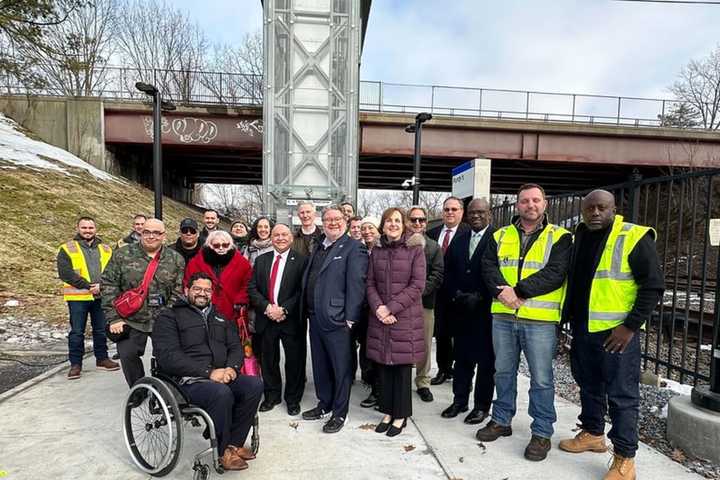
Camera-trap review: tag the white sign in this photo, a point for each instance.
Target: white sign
(472, 179)
(317, 203)
(714, 231)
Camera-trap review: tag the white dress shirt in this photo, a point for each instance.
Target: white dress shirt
(281, 269)
(453, 231)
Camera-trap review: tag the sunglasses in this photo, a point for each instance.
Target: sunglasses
(220, 245)
(453, 209)
(418, 220)
(187, 230)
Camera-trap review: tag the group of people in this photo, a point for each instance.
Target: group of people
(372, 293)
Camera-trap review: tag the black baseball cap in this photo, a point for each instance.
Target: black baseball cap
(188, 223)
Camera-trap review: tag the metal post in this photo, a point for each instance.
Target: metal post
(634, 196)
(157, 154)
(416, 162)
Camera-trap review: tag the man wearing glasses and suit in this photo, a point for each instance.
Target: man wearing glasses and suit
(444, 235)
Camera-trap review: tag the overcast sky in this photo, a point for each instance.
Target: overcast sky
(583, 46)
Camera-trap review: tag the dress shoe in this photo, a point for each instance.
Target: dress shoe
(314, 414)
(537, 449)
(268, 405)
(230, 461)
(293, 409)
(242, 452)
(370, 401)
(334, 425)
(584, 442)
(137, 398)
(107, 365)
(394, 431)
(382, 427)
(492, 431)
(440, 378)
(425, 394)
(74, 372)
(475, 416)
(453, 410)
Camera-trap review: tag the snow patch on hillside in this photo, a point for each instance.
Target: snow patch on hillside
(21, 150)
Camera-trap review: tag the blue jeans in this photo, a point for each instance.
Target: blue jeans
(76, 338)
(537, 340)
(609, 383)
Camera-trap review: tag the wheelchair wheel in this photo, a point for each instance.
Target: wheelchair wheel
(152, 424)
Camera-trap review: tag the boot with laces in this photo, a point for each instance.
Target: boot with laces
(584, 442)
(621, 469)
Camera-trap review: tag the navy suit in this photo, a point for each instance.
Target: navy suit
(337, 298)
(469, 320)
(443, 337)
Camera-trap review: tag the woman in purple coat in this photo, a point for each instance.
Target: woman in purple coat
(395, 338)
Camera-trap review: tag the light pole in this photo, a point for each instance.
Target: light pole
(416, 128)
(158, 105)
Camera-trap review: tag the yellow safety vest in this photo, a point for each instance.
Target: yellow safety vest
(547, 307)
(613, 289)
(74, 251)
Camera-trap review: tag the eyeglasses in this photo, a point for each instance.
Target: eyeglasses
(220, 245)
(209, 291)
(477, 213)
(451, 209)
(152, 233)
(188, 230)
(418, 220)
(333, 220)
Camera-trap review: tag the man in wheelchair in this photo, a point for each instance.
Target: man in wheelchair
(195, 344)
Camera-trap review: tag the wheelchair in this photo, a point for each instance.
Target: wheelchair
(155, 414)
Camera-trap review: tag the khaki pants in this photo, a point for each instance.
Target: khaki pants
(422, 372)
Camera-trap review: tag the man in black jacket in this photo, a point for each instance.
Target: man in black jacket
(470, 318)
(435, 267)
(188, 244)
(274, 293)
(202, 349)
(614, 283)
(444, 235)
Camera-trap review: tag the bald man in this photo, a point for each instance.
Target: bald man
(274, 293)
(126, 271)
(614, 283)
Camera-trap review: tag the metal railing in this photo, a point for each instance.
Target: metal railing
(678, 339)
(238, 89)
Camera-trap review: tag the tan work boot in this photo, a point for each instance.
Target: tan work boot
(584, 442)
(621, 469)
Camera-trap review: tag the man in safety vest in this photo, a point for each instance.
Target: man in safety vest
(80, 263)
(614, 283)
(525, 264)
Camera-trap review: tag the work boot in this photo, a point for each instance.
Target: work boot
(621, 469)
(231, 461)
(584, 442)
(537, 449)
(107, 365)
(492, 431)
(74, 372)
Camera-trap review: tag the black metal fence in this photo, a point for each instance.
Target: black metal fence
(678, 341)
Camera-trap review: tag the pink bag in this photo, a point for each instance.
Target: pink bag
(251, 365)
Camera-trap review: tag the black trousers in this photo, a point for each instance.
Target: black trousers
(331, 361)
(443, 338)
(395, 390)
(130, 350)
(359, 356)
(473, 350)
(295, 349)
(608, 380)
(231, 406)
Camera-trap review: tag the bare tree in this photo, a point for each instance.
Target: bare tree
(699, 87)
(73, 57)
(235, 201)
(238, 71)
(163, 45)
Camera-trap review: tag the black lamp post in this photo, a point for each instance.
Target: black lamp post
(416, 128)
(158, 105)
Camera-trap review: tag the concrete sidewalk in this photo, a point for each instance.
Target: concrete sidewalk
(72, 429)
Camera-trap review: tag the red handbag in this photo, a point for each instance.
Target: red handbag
(131, 301)
(250, 365)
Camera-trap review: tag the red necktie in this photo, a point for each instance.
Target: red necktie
(273, 278)
(446, 240)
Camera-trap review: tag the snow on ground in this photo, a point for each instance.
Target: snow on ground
(21, 150)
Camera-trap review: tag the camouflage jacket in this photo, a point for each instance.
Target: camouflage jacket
(126, 270)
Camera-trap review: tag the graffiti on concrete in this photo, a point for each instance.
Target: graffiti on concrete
(250, 127)
(186, 129)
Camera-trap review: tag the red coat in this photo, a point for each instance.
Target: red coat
(231, 288)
